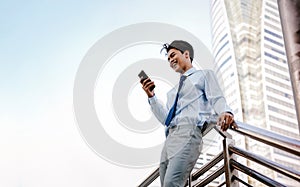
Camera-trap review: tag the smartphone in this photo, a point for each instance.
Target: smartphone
(144, 76)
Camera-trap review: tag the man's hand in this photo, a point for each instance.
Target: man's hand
(147, 84)
(226, 120)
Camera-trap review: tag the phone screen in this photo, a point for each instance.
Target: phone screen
(144, 76)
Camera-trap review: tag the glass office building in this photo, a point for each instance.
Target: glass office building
(251, 63)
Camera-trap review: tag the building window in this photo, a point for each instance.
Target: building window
(284, 132)
(280, 111)
(283, 103)
(280, 93)
(273, 41)
(279, 75)
(276, 66)
(273, 34)
(225, 61)
(288, 87)
(277, 51)
(272, 6)
(226, 43)
(274, 49)
(282, 122)
(223, 37)
(272, 19)
(272, 12)
(275, 57)
(272, 56)
(273, 26)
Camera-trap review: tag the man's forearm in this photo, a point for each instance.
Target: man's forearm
(158, 109)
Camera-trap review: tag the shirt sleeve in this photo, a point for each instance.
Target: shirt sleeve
(214, 93)
(158, 109)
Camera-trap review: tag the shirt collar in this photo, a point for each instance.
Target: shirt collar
(190, 71)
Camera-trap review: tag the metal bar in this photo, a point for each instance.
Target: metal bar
(154, 175)
(254, 174)
(224, 134)
(190, 180)
(241, 181)
(211, 177)
(226, 162)
(207, 166)
(265, 136)
(276, 140)
(222, 184)
(268, 163)
(211, 124)
(229, 172)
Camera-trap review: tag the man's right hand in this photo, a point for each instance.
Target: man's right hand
(147, 84)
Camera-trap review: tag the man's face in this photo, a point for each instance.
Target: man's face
(178, 62)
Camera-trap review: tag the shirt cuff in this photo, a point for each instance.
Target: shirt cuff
(152, 100)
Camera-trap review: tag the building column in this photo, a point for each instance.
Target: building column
(289, 11)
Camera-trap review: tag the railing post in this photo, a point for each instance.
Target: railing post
(190, 180)
(229, 173)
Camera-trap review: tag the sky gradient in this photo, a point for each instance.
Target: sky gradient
(41, 46)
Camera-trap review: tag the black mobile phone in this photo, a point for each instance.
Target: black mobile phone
(144, 76)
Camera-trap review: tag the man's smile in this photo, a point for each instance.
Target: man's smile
(174, 64)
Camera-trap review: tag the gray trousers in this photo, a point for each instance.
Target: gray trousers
(179, 155)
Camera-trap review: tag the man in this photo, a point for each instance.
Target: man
(189, 105)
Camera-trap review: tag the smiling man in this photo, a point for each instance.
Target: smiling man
(189, 105)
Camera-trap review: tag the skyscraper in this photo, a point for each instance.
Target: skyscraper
(250, 59)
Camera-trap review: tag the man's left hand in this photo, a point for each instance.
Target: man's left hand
(226, 120)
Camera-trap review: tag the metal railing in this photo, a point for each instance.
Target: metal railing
(231, 167)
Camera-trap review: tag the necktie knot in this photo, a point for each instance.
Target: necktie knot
(182, 78)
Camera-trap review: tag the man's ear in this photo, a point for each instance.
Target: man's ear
(186, 54)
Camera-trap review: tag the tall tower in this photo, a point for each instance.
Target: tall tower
(248, 47)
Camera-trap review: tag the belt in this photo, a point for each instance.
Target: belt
(188, 126)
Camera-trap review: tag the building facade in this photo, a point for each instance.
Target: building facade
(250, 60)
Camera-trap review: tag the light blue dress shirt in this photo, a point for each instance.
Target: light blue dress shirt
(199, 98)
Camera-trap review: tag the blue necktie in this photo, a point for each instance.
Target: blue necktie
(173, 109)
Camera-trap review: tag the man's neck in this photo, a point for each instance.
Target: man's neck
(185, 70)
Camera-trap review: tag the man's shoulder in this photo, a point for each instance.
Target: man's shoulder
(204, 71)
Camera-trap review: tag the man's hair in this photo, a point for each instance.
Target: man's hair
(181, 46)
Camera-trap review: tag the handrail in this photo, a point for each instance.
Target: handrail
(222, 184)
(211, 177)
(252, 173)
(265, 162)
(241, 181)
(207, 166)
(270, 138)
(154, 175)
(273, 139)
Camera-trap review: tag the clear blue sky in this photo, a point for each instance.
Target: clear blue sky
(41, 46)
